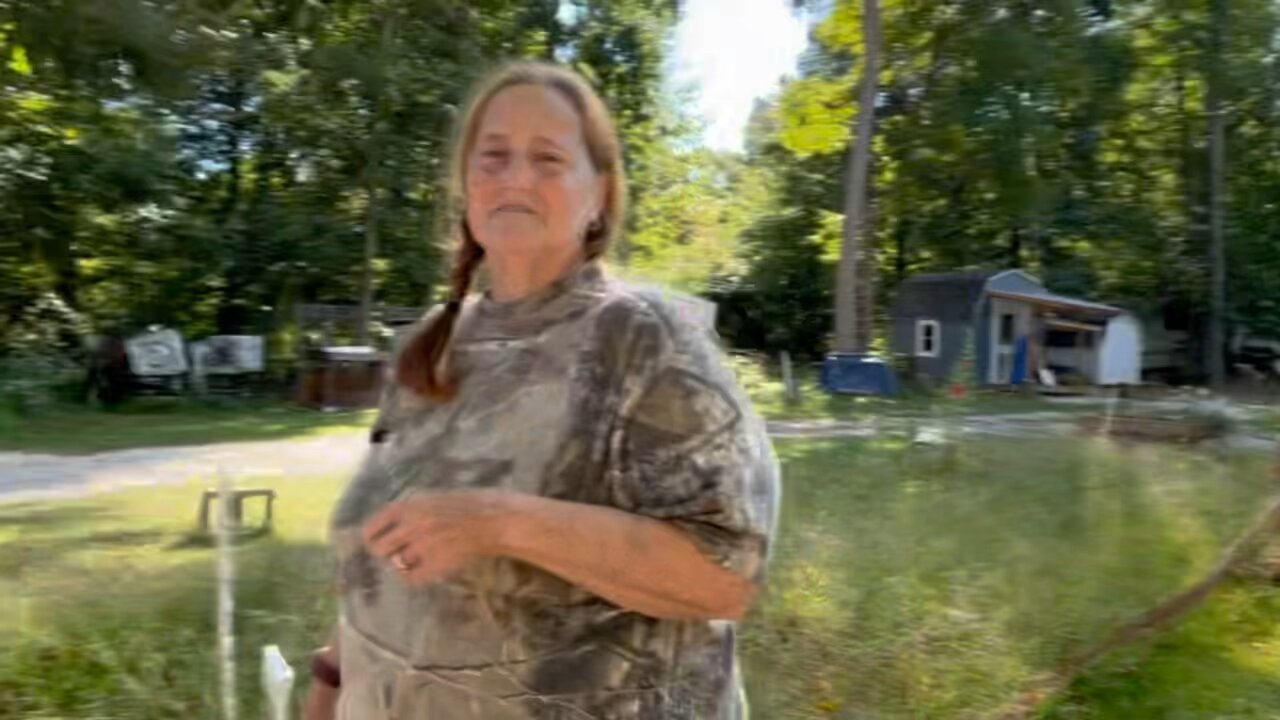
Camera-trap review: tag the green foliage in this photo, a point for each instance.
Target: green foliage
(1065, 137)
(209, 165)
(39, 354)
(782, 299)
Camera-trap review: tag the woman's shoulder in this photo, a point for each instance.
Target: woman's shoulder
(678, 316)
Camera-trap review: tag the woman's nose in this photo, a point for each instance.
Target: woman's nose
(519, 171)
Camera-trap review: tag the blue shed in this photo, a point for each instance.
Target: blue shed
(1017, 330)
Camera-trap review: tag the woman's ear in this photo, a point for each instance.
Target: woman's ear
(601, 197)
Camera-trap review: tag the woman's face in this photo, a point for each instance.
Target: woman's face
(530, 186)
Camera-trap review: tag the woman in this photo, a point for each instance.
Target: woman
(567, 500)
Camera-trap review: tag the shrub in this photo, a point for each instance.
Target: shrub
(41, 354)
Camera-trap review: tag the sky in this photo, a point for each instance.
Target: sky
(732, 52)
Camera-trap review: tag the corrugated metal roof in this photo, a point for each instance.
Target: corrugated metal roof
(1055, 299)
(952, 295)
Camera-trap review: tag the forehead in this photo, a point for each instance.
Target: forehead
(530, 110)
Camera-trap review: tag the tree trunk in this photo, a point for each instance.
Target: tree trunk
(868, 269)
(856, 180)
(373, 159)
(370, 249)
(1216, 345)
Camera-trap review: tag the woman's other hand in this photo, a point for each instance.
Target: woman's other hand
(321, 702)
(428, 536)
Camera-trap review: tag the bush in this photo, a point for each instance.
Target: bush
(41, 354)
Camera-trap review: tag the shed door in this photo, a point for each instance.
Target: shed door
(1010, 321)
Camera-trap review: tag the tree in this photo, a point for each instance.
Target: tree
(208, 165)
(856, 205)
(1217, 160)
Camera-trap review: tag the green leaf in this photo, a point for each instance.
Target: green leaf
(18, 60)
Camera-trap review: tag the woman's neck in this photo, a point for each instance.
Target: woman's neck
(515, 278)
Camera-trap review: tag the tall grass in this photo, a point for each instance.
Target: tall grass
(907, 582)
(110, 603)
(937, 582)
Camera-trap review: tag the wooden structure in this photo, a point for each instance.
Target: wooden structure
(333, 374)
(1012, 328)
(236, 505)
(341, 377)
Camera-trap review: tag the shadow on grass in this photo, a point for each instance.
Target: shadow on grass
(145, 647)
(156, 422)
(32, 516)
(207, 540)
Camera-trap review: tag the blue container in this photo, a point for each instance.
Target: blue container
(857, 374)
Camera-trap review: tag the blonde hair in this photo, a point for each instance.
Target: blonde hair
(421, 365)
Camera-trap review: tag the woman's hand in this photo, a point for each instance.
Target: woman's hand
(321, 702)
(431, 535)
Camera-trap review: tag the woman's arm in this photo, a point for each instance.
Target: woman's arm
(639, 563)
(636, 562)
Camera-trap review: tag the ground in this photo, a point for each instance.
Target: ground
(927, 566)
(164, 422)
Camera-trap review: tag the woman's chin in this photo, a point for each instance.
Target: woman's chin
(514, 239)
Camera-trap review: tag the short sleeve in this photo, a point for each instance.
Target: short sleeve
(689, 450)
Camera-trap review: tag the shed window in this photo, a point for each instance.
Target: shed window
(928, 338)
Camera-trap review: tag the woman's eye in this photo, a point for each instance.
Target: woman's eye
(494, 154)
(547, 158)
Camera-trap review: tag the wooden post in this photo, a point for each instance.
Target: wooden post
(226, 603)
(788, 378)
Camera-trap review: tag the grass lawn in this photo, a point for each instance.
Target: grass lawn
(1223, 662)
(907, 582)
(936, 583)
(156, 421)
(769, 397)
(107, 604)
(163, 421)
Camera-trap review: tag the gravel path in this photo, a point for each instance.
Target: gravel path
(32, 476)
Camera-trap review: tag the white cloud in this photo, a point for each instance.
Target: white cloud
(735, 51)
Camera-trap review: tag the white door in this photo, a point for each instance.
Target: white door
(1010, 321)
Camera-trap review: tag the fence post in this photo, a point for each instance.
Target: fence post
(226, 600)
(789, 378)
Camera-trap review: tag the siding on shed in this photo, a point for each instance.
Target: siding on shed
(952, 334)
(952, 300)
(982, 341)
(904, 336)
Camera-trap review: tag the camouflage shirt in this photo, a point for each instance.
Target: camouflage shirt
(589, 391)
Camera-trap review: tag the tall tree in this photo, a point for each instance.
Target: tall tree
(1216, 345)
(857, 227)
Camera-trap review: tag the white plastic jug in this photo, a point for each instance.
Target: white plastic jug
(277, 681)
